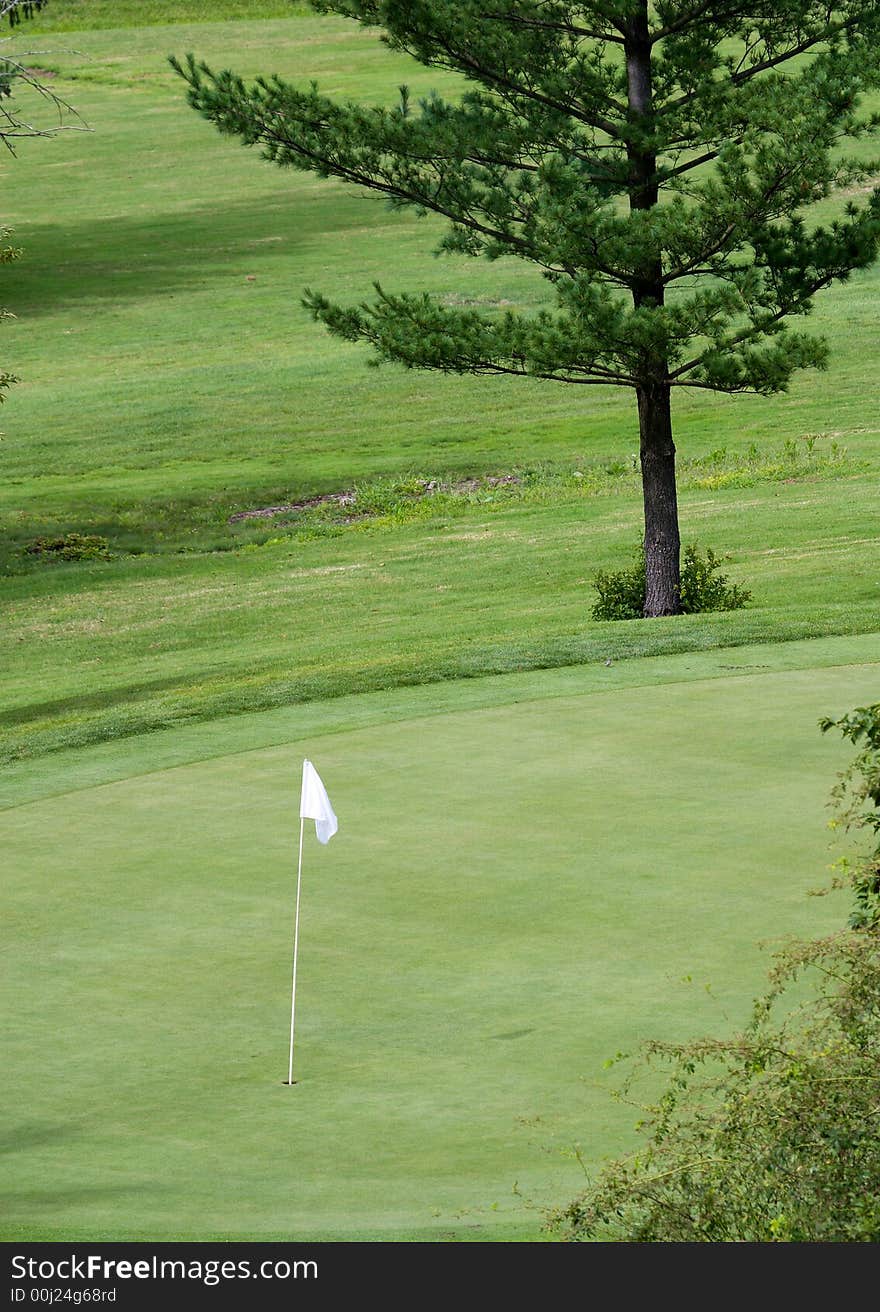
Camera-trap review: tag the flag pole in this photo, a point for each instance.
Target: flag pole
(295, 950)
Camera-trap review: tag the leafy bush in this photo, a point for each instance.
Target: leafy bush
(72, 546)
(622, 592)
(773, 1135)
(857, 797)
(703, 588)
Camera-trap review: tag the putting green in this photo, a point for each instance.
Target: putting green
(526, 870)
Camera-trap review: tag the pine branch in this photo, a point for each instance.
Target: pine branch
(510, 18)
(744, 76)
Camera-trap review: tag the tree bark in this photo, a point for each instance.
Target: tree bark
(662, 542)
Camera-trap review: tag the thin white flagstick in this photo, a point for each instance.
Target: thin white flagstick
(295, 950)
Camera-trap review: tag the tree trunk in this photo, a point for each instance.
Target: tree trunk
(662, 543)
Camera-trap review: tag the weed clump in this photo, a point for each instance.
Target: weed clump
(70, 546)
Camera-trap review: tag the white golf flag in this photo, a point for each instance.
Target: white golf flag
(315, 804)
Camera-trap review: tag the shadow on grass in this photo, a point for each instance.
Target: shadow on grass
(53, 1199)
(35, 1134)
(134, 257)
(106, 699)
(52, 1134)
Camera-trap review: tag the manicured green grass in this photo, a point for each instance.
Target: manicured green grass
(528, 865)
(526, 872)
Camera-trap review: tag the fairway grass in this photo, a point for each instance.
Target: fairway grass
(529, 877)
(139, 645)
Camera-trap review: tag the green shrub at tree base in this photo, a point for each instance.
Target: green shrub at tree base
(703, 588)
(772, 1135)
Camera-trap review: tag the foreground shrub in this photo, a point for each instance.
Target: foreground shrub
(857, 799)
(773, 1135)
(703, 588)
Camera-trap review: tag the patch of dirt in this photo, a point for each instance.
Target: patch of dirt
(350, 498)
(861, 189)
(266, 512)
(490, 480)
(452, 299)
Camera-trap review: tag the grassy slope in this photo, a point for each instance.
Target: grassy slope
(170, 379)
(145, 644)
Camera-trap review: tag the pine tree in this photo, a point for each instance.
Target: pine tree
(655, 161)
